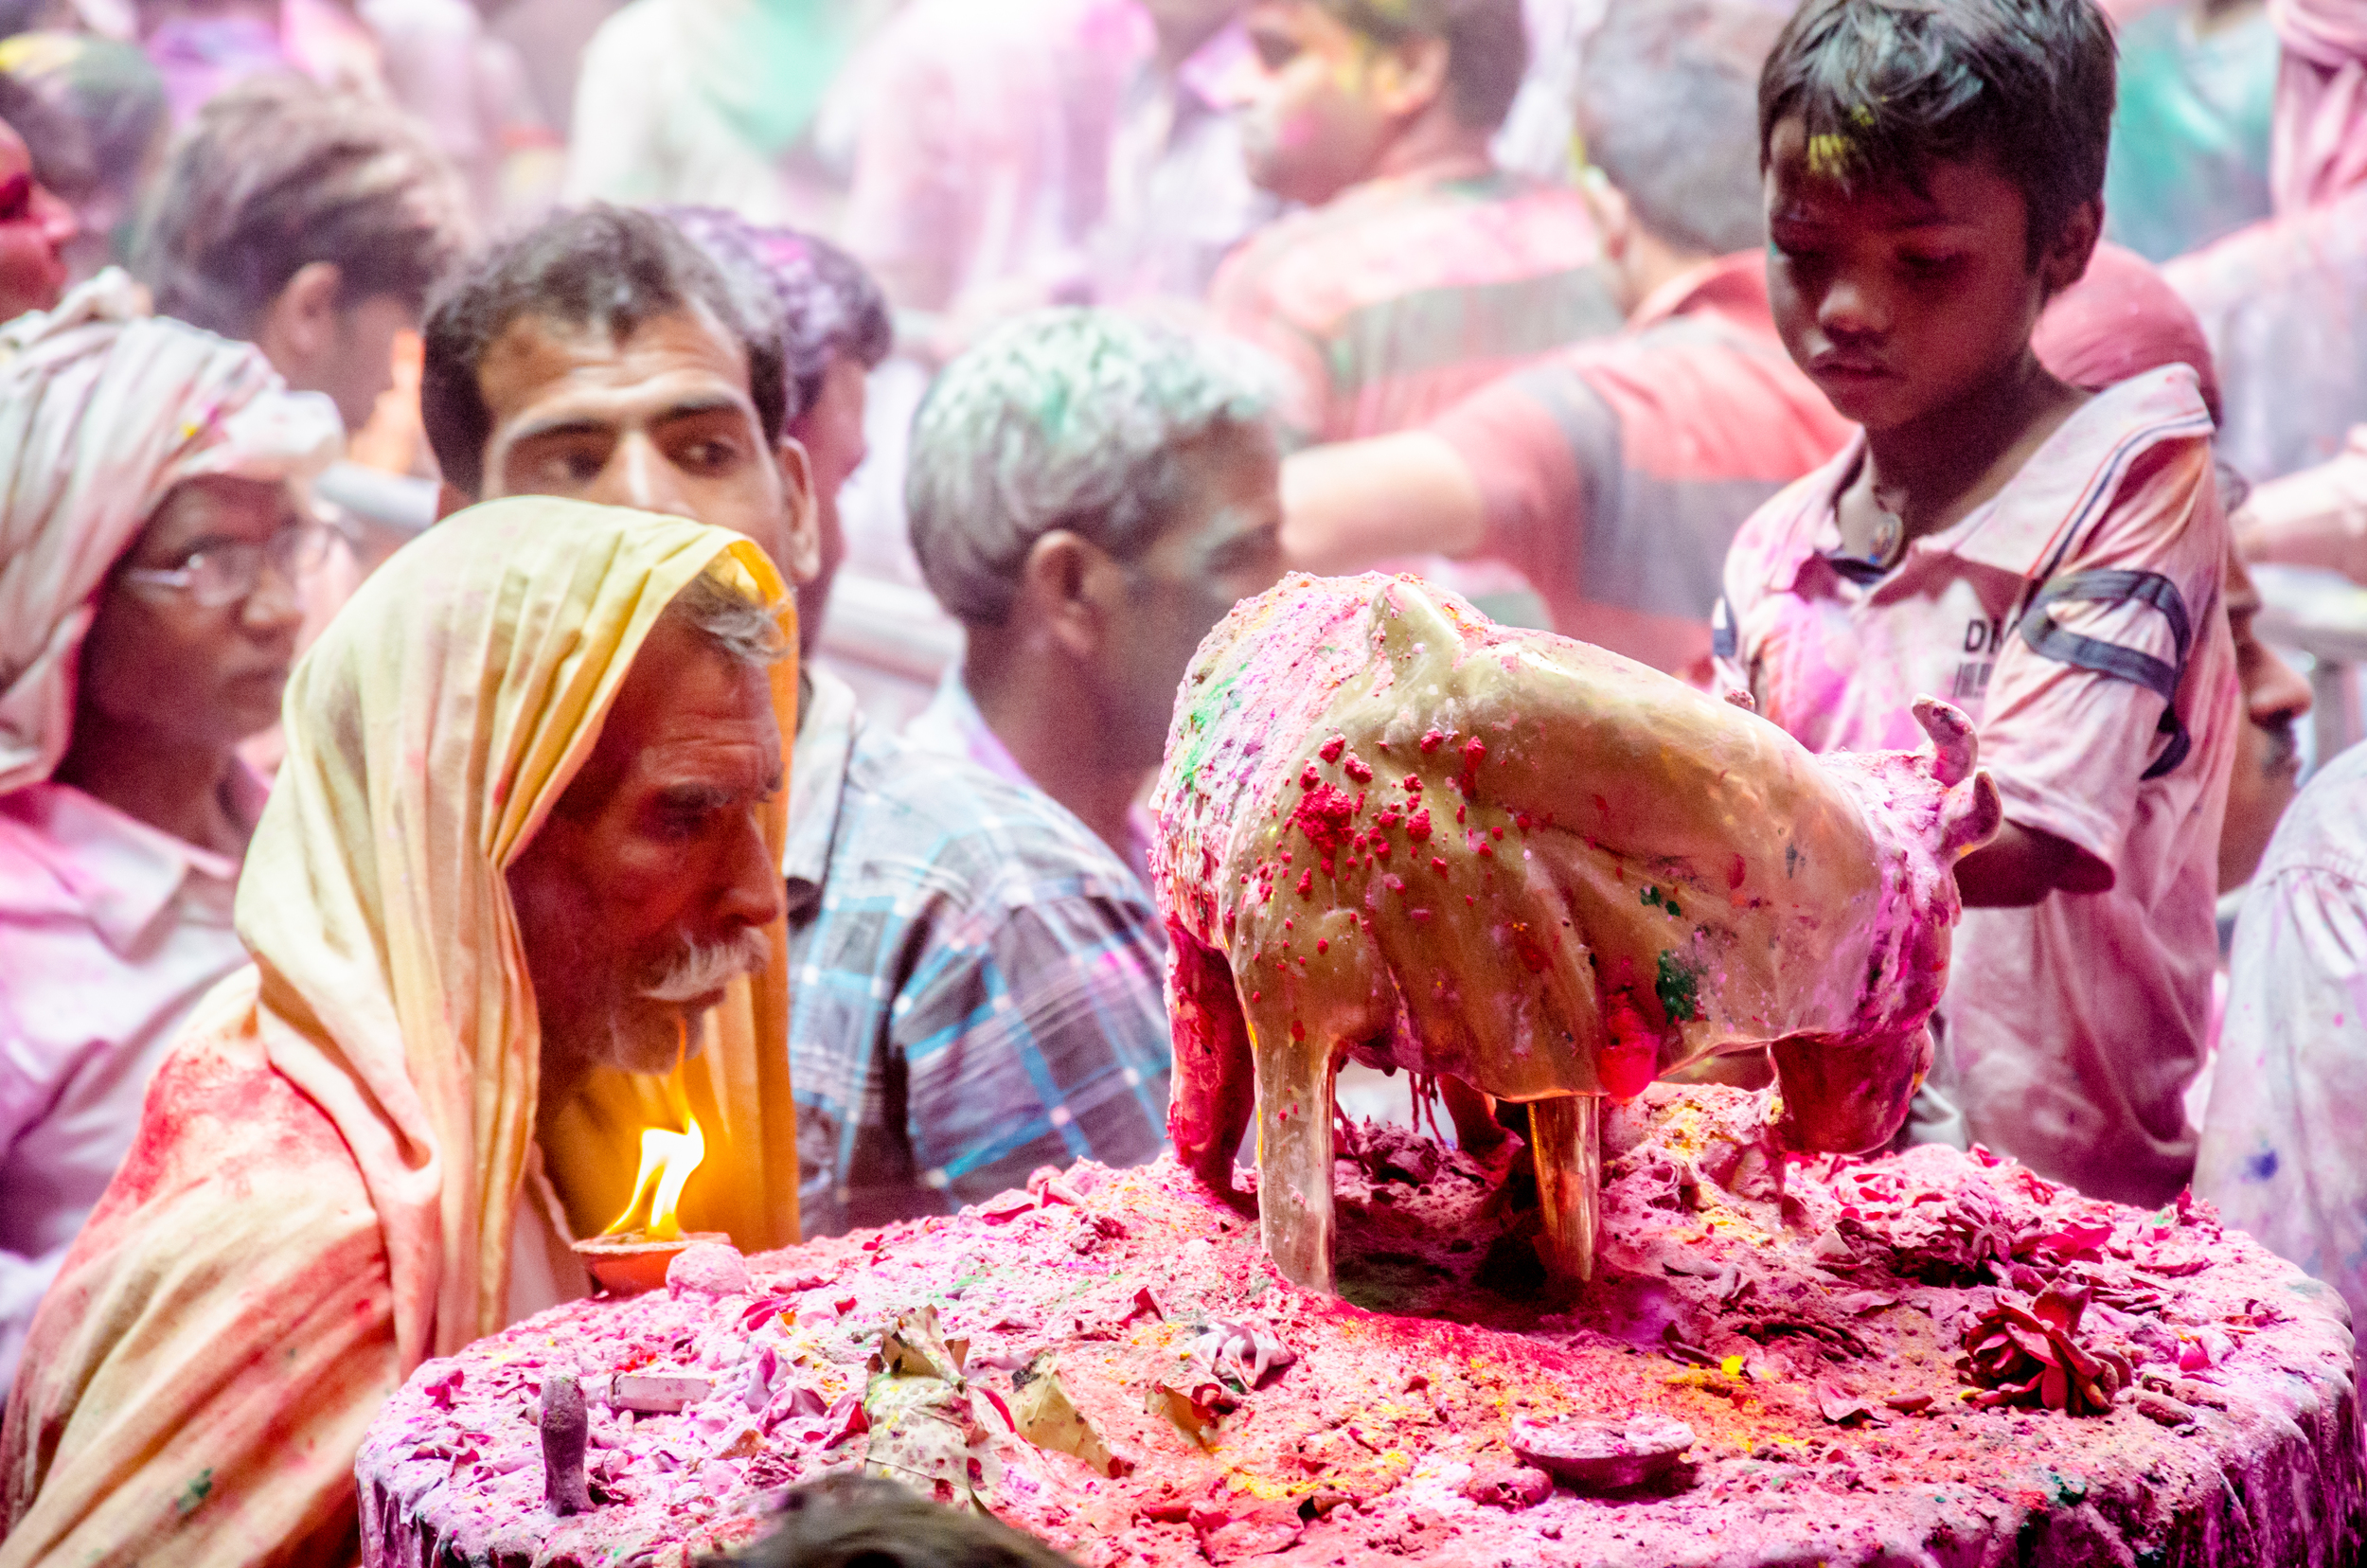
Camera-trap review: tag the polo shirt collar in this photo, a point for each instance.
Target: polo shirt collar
(2056, 496)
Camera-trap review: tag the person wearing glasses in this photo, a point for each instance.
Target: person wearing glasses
(152, 530)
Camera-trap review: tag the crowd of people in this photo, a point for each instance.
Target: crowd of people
(428, 446)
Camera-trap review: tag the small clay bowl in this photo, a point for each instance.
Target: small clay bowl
(1599, 1456)
(631, 1264)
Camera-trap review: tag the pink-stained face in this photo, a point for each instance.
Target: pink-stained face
(34, 229)
(1312, 123)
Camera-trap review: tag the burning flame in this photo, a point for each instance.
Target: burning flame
(667, 1160)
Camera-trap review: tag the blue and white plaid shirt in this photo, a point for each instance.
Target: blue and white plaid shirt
(974, 980)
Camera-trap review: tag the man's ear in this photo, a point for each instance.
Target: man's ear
(1410, 77)
(1055, 593)
(2066, 260)
(299, 326)
(801, 538)
(1614, 220)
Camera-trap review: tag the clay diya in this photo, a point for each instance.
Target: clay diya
(635, 1261)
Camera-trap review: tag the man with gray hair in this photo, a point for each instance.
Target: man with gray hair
(1615, 475)
(1088, 494)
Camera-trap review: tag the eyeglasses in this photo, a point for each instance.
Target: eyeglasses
(226, 574)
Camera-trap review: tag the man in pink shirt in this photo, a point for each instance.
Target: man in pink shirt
(1613, 474)
(1421, 270)
(2050, 561)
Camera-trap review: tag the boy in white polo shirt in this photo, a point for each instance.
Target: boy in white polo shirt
(2050, 561)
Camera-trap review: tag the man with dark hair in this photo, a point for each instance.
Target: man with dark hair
(2052, 560)
(603, 356)
(1422, 271)
(977, 978)
(1615, 475)
(862, 1522)
(308, 223)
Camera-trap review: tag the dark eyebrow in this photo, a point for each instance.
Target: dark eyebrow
(693, 405)
(570, 425)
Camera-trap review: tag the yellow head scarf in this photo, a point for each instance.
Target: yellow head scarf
(423, 752)
(197, 1381)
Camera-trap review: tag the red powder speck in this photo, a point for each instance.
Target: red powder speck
(1432, 740)
(1487, 851)
(1356, 769)
(1298, 1031)
(1323, 944)
(1496, 832)
(1418, 825)
(1412, 784)
(1380, 846)
(1475, 752)
(1459, 813)
(1324, 817)
(1326, 868)
(1307, 883)
(1737, 872)
(1438, 865)
(1333, 747)
(1310, 778)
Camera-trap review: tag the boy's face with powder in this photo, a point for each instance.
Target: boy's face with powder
(1901, 303)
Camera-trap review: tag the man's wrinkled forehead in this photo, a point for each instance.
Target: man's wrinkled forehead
(541, 373)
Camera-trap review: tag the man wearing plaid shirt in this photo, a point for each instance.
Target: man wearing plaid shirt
(974, 977)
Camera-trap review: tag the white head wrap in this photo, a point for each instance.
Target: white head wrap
(103, 410)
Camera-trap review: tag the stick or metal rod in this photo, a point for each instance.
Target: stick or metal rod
(1566, 1140)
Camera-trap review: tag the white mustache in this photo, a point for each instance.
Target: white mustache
(703, 968)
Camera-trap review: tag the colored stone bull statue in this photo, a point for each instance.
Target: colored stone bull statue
(1393, 831)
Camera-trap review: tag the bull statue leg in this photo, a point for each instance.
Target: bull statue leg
(1565, 1138)
(1295, 1086)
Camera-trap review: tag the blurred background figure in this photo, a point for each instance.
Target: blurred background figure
(2283, 302)
(1180, 197)
(2190, 134)
(1614, 474)
(982, 156)
(836, 330)
(149, 612)
(35, 226)
(716, 103)
(108, 101)
(308, 223)
(1089, 495)
(1422, 269)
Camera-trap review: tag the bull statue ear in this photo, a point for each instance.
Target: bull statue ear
(1972, 813)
